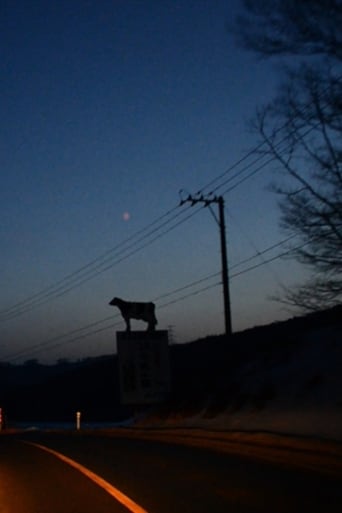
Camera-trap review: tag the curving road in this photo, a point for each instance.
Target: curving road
(154, 476)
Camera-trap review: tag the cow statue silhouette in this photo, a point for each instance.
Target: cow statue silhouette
(131, 310)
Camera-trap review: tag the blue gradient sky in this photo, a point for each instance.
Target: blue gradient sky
(110, 107)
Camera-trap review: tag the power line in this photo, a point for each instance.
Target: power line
(104, 262)
(55, 292)
(229, 169)
(264, 262)
(68, 341)
(256, 249)
(189, 285)
(74, 274)
(59, 340)
(186, 296)
(256, 170)
(266, 250)
(77, 334)
(258, 148)
(49, 341)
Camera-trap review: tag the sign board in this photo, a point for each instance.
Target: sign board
(144, 370)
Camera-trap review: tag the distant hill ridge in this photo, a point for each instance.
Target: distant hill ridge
(209, 376)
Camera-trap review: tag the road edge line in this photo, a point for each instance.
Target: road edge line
(109, 488)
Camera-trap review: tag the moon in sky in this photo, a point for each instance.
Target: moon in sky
(126, 216)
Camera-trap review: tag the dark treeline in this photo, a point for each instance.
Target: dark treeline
(203, 372)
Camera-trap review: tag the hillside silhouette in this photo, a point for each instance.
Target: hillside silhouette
(289, 361)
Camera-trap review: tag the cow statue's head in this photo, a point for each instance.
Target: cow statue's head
(114, 302)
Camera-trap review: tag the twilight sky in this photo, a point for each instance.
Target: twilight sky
(108, 109)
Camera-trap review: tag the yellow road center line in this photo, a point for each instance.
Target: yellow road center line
(112, 490)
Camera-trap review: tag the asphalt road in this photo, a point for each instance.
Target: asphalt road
(158, 477)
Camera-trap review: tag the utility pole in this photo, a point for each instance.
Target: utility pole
(221, 222)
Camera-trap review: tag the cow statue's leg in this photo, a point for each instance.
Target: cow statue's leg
(151, 326)
(128, 323)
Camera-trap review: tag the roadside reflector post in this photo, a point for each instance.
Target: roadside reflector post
(78, 420)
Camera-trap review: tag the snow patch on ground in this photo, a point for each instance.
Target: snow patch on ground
(296, 390)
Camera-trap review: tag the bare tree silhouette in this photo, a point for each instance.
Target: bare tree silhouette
(302, 129)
